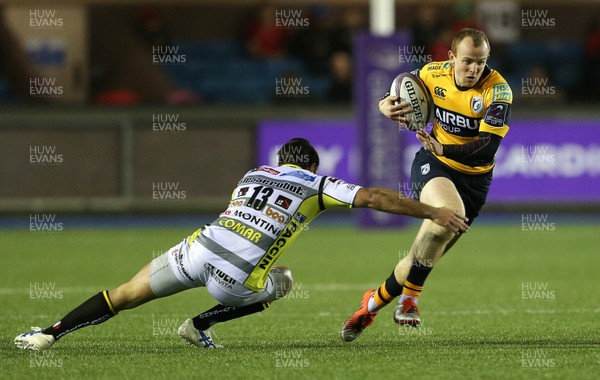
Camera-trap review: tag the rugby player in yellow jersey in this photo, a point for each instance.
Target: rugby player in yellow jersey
(234, 257)
(453, 168)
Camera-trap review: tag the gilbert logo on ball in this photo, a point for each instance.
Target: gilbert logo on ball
(413, 91)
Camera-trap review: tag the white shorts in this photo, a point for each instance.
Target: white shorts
(181, 269)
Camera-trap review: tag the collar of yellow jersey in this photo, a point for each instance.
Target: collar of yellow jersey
(292, 166)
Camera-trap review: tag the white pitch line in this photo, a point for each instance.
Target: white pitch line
(513, 311)
(329, 287)
(333, 287)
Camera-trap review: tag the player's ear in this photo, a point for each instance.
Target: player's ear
(450, 55)
(313, 168)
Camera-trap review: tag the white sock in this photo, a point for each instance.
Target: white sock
(372, 305)
(404, 296)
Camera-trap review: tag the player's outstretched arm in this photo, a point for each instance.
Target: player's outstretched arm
(395, 203)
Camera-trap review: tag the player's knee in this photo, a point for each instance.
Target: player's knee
(430, 246)
(439, 234)
(283, 281)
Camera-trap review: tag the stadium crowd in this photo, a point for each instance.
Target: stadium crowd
(311, 47)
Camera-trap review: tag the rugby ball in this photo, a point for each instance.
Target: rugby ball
(411, 89)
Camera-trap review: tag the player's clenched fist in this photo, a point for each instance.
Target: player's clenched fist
(393, 110)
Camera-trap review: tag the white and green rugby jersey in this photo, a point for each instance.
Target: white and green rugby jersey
(268, 210)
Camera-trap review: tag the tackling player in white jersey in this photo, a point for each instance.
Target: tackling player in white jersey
(234, 257)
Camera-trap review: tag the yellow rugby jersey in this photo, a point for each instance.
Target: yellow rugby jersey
(461, 114)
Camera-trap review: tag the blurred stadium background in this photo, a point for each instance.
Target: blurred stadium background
(124, 107)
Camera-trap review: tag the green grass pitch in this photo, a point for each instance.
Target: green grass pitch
(504, 304)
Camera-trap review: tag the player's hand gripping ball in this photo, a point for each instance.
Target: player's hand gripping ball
(412, 90)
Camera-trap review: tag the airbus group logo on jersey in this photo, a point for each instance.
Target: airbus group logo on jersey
(456, 123)
(302, 175)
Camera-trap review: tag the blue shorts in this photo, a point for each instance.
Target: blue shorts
(472, 188)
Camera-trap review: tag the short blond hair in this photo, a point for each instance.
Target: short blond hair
(478, 37)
